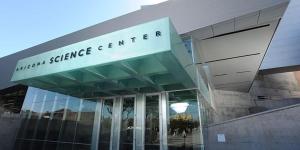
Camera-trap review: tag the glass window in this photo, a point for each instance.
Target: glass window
(56, 117)
(18, 145)
(152, 123)
(35, 112)
(81, 147)
(105, 130)
(86, 121)
(64, 146)
(69, 124)
(50, 145)
(28, 102)
(183, 124)
(45, 116)
(26, 145)
(127, 124)
(37, 145)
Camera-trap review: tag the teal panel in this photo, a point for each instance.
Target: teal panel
(145, 58)
(137, 41)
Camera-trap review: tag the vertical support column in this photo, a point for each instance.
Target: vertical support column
(163, 121)
(139, 122)
(116, 120)
(200, 120)
(97, 125)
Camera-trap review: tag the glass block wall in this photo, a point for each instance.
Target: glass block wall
(55, 121)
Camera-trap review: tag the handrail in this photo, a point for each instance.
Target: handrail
(256, 114)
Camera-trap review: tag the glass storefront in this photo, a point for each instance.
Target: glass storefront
(106, 122)
(152, 139)
(184, 130)
(165, 120)
(127, 124)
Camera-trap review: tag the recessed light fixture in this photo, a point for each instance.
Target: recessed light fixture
(179, 107)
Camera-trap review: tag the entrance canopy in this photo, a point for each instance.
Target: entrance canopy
(144, 58)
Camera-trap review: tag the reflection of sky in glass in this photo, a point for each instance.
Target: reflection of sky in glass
(88, 106)
(73, 104)
(60, 102)
(49, 102)
(29, 98)
(38, 102)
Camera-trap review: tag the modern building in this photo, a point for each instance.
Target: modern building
(144, 80)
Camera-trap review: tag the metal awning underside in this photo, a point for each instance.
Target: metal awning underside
(167, 69)
(149, 74)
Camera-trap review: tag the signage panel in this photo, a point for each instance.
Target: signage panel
(137, 41)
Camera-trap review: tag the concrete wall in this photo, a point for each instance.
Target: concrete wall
(276, 86)
(230, 104)
(9, 126)
(272, 130)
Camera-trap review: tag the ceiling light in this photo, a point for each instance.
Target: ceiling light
(179, 107)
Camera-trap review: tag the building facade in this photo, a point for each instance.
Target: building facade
(145, 80)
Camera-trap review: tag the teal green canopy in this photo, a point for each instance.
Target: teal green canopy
(144, 58)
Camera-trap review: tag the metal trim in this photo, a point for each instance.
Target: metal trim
(164, 116)
(97, 125)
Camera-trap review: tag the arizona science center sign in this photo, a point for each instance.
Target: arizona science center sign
(136, 41)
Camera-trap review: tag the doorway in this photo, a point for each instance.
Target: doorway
(148, 122)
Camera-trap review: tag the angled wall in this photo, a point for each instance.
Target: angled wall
(284, 51)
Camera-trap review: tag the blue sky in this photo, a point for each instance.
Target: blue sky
(24, 24)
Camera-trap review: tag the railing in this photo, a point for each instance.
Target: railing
(256, 114)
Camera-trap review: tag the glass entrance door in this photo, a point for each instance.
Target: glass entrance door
(106, 124)
(116, 123)
(152, 119)
(127, 123)
(184, 128)
(130, 122)
(167, 120)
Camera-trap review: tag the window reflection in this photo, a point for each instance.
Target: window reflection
(37, 145)
(105, 131)
(81, 147)
(183, 124)
(64, 122)
(28, 102)
(45, 116)
(64, 146)
(67, 132)
(86, 121)
(34, 114)
(56, 117)
(152, 123)
(50, 145)
(127, 124)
